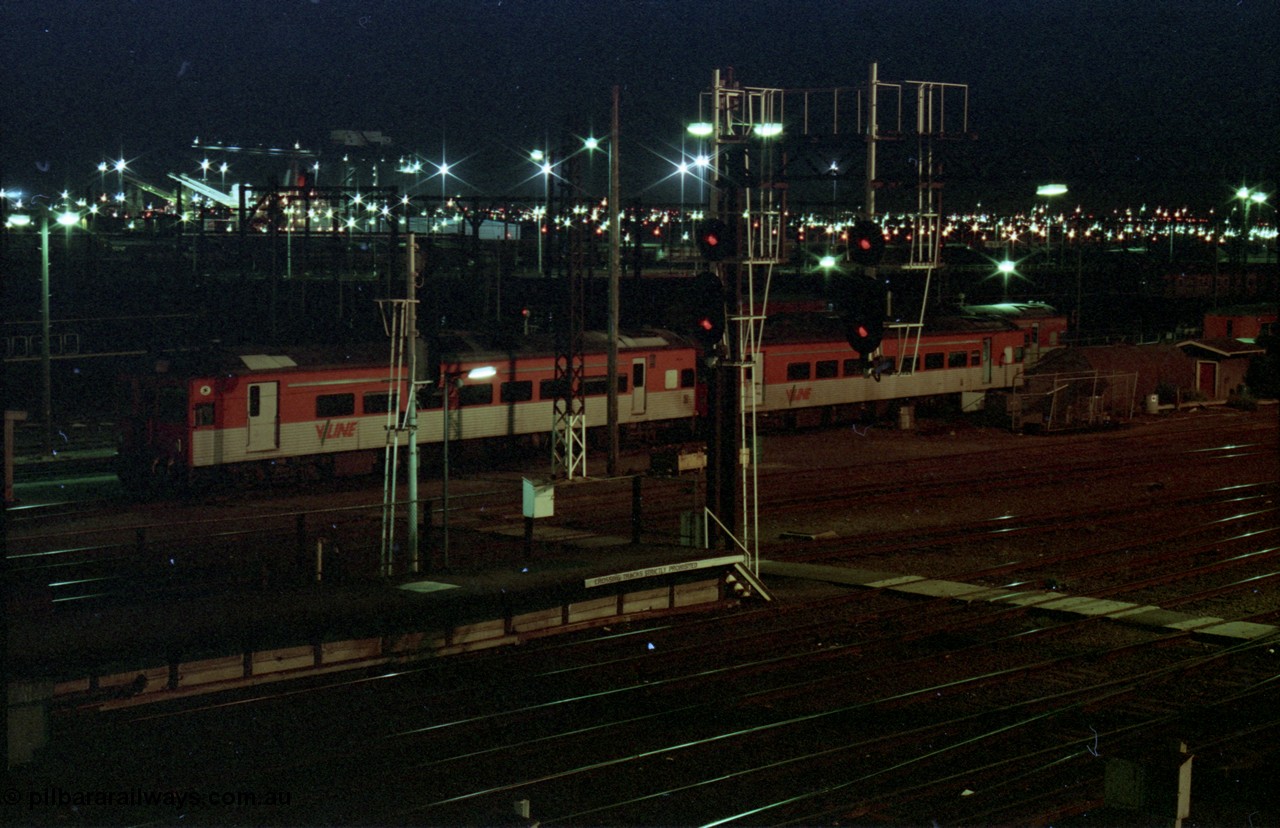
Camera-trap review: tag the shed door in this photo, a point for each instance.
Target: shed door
(264, 425)
(1207, 379)
(637, 386)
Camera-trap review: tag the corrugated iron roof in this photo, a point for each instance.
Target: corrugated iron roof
(1223, 347)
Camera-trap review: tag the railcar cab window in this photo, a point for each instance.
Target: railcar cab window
(203, 414)
(975, 359)
(827, 369)
(933, 362)
(516, 391)
(957, 359)
(335, 405)
(799, 370)
(687, 377)
(1019, 354)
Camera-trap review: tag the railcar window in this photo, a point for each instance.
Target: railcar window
(204, 414)
(429, 398)
(957, 359)
(827, 368)
(335, 405)
(517, 391)
(622, 383)
(687, 377)
(551, 389)
(908, 365)
(798, 370)
(379, 403)
(933, 362)
(975, 359)
(475, 394)
(852, 367)
(594, 386)
(255, 401)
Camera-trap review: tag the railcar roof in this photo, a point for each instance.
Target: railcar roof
(453, 345)
(801, 327)
(1016, 310)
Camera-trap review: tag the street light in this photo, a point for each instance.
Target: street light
(452, 381)
(1048, 191)
(1006, 268)
(66, 218)
(1250, 197)
(547, 169)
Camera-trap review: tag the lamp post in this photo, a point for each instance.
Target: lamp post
(68, 219)
(545, 166)
(701, 130)
(1250, 197)
(452, 382)
(1048, 191)
(1006, 268)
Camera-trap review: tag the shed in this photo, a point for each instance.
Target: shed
(1220, 365)
(1155, 365)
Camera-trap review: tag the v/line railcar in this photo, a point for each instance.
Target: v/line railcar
(328, 411)
(808, 369)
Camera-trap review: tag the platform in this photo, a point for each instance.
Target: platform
(1143, 615)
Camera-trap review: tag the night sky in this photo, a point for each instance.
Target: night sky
(1160, 101)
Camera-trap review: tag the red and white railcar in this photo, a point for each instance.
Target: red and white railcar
(256, 410)
(808, 364)
(332, 409)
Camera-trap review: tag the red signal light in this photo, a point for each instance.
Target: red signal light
(868, 243)
(713, 240)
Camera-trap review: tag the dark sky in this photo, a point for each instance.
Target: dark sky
(1163, 101)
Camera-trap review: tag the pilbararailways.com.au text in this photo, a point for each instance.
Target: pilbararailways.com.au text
(59, 797)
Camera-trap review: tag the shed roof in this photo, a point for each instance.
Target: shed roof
(1223, 347)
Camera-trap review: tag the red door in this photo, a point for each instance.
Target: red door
(1207, 379)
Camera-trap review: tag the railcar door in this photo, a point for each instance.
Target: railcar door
(637, 386)
(757, 374)
(264, 420)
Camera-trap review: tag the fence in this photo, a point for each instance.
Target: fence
(1083, 399)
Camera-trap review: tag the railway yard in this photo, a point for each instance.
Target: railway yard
(967, 627)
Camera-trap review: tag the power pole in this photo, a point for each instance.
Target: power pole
(615, 274)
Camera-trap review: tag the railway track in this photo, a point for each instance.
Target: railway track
(762, 710)
(831, 706)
